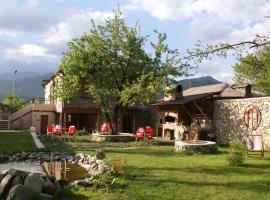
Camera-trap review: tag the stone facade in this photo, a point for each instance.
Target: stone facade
(229, 119)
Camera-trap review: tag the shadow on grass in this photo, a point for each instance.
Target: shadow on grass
(203, 177)
(255, 186)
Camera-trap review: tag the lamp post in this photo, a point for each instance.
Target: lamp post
(13, 85)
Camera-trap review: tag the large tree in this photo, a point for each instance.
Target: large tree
(255, 69)
(111, 63)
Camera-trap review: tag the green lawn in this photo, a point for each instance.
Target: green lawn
(157, 172)
(16, 142)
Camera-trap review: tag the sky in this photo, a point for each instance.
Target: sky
(34, 33)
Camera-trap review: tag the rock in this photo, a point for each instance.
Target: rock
(34, 182)
(99, 154)
(21, 192)
(2, 176)
(84, 183)
(57, 186)
(48, 187)
(17, 180)
(5, 183)
(45, 196)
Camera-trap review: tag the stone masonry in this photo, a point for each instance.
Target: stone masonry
(229, 119)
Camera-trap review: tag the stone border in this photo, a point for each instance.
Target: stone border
(37, 142)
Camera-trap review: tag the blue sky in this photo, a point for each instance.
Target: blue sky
(34, 33)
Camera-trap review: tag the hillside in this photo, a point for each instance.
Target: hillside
(29, 84)
(26, 87)
(196, 82)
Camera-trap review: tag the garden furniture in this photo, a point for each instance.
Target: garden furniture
(255, 145)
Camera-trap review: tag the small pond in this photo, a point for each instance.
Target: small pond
(63, 170)
(27, 166)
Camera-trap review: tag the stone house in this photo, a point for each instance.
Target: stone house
(79, 111)
(202, 112)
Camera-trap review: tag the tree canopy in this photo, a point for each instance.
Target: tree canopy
(255, 69)
(111, 63)
(12, 100)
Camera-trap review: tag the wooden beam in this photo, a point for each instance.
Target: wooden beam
(186, 110)
(201, 111)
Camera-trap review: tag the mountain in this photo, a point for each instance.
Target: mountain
(196, 82)
(28, 85)
(18, 76)
(193, 82)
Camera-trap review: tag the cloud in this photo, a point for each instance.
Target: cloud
(29, 53)
(73, 26)
(211, 20)
(221, 72)
(162, 9)
(17, 17)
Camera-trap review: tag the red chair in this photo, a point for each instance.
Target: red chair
(105, 128)
(50, 129)
(140, 134)
(71, 130)
(149, 132)
(57, 130)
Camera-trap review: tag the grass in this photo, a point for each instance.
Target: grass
(160, 173)
(16, 142)
(85, 143)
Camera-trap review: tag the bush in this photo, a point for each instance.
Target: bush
(118, 165)
(236, 154)
(109, 180)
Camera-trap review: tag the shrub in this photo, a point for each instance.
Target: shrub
(109, 180)
(118, 165)
(236, 155)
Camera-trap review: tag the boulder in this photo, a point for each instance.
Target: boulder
(21, 192)
(17, 180)
(5, 184)
(45, 196)
(34, 182)
(48, 187)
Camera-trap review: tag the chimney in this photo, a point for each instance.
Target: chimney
(179, 92)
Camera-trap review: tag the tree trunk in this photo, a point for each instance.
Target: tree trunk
(109, 121)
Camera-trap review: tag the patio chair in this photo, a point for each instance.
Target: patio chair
(50, 129)
(71, 132)
(255, 145)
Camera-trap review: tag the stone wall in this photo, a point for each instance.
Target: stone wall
(229, 119)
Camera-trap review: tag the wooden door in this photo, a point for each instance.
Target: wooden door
(43, 123)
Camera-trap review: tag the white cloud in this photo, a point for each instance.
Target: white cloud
(212, 20)
(73, 26)
(221, 72)
(29, 53)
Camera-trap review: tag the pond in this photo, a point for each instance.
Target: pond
(27, 166)
(63, 170)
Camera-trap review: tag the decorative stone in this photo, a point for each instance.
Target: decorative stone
(5, 183)
(45, 196)
(99, 154)
(48, 187)
(17, 180)
(34, 182)
(21, 192)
